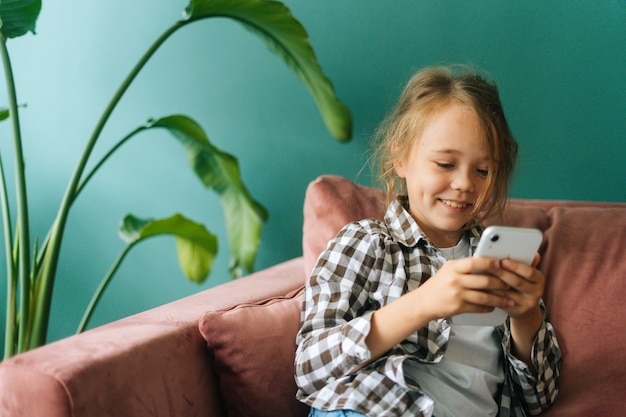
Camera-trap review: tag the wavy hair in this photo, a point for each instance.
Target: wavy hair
(427, 93)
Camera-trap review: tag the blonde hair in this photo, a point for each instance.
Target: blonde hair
(427, 93)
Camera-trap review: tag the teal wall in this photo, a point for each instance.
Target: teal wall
(561, 68)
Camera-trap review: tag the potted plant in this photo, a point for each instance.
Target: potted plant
(32, 264)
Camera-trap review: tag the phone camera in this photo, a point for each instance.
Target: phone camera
(495, 238)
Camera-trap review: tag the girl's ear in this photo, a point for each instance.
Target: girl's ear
(398, 163)
(398, 166)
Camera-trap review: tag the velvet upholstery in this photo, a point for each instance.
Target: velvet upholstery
(151, 364)
(229, 350)
(246, 342)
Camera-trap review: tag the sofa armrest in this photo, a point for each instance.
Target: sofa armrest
(152, 363)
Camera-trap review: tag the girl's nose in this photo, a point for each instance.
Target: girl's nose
(463, 181)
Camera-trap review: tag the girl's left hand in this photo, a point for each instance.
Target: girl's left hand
(526, 286)
(526, 289)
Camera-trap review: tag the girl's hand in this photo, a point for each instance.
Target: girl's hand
(460, 286)
(526, 286)
(468, 285)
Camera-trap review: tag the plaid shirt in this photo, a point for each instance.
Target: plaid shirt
(368, 265)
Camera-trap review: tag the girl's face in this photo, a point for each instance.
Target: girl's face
(446, 171)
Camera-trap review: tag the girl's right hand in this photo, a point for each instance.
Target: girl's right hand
(462, 286)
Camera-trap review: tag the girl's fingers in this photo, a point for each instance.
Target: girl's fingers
(477, 284)
(519, 269)
(485, 283)
(536, 260)
(490, 299)
(476, 265)
(521, 277)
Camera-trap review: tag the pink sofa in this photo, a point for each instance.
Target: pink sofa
(228, 351)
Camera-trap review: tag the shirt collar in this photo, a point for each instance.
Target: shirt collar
(403, 227)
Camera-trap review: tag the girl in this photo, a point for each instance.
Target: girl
(375, 336)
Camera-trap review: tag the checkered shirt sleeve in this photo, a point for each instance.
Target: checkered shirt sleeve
(531, 393)
(356, 275)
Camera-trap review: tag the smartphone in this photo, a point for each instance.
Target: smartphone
(517, 243)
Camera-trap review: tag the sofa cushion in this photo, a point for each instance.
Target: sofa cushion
(330, 203)
(584, 261)
(253, 346)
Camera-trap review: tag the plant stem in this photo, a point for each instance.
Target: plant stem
(100, 290)
(53, 247)
(22, 204)
(10, 321)
(106, 157)
(95, 299)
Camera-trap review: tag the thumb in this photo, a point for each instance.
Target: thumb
(536, 260)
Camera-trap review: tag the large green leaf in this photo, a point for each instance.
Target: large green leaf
(4, 113)
(288, 39)
(220, 171)
(195, 245)
(18, 17)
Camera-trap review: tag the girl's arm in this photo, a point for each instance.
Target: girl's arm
(456, 288)
(335, 316)
(523, 333)
(530, 338)
(536, 384)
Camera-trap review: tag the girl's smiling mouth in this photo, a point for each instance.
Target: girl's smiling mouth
(455, 204)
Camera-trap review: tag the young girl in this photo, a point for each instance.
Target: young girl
(376, 338)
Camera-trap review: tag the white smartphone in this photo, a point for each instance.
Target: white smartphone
(500, 242)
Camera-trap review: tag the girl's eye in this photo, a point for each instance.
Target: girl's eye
(445, 165)
(482, 172)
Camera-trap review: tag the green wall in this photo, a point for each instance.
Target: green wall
(561, 68)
